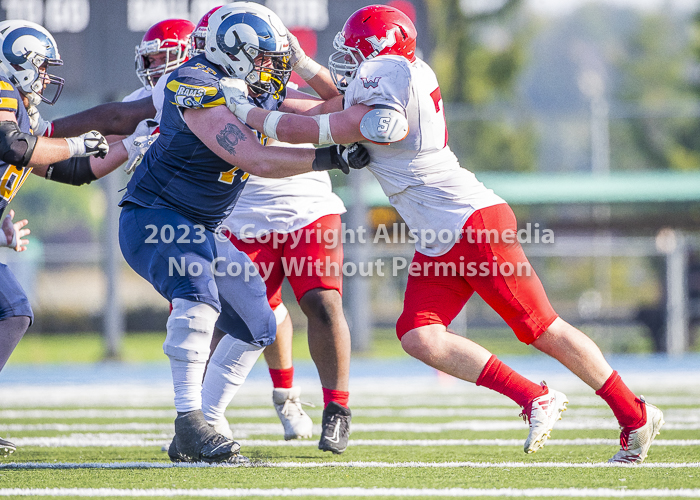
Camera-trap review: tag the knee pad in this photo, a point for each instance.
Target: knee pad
(190, 328)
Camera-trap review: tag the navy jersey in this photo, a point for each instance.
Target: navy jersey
(179, 171)
(12, 177)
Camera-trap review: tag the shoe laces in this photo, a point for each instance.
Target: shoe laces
(527, 411)
(294, 406)
(625, 438)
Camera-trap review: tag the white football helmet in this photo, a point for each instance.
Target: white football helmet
(27, 50)
(248, 41)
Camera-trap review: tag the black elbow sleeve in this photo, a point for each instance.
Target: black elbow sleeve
(75, 171)
(16, 147)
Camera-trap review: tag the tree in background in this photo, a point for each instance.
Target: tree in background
(477, 57)
(59, 213)
(658, 80)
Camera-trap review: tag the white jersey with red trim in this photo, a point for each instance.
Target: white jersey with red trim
(420, 174)
(282, 205)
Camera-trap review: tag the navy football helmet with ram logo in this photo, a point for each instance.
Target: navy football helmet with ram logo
(248, 41)
(27, 50)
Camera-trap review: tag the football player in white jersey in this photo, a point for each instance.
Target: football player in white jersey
(392, 102)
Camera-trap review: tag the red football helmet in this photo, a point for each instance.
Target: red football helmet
(198, 42)
(372, 31)
(164, 47)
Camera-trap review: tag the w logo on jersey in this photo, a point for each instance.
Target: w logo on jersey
(371, 82)
(380, 44)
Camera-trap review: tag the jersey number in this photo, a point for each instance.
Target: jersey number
(229, 176)
(12, 179)
(437, 97)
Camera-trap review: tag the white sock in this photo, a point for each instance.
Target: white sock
(228, 368)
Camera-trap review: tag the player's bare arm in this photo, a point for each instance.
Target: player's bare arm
(112, 118)
(236, 144)
(341, 127)
(25, 150)
(304, 104)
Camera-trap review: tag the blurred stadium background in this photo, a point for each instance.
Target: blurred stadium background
(585, 117)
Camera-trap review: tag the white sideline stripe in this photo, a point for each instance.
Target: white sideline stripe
(355, 492)
(147, 440)
(18, 396)
(250, 429)
(360, 465)
(670, 415)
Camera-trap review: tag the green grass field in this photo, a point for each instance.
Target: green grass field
(414, 436)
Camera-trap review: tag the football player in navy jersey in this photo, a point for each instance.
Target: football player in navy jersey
(188, 183)
(27, 51)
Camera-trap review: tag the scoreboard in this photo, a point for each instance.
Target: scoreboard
(96, 38)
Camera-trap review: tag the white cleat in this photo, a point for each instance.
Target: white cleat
(542, 413)
(635, 443)
(297, 424)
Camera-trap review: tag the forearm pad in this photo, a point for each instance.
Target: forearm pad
(16, 147)
(75, 171)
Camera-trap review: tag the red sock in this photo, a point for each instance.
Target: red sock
(501, 378)
(340, 397)
(629, 410)
(282, 379)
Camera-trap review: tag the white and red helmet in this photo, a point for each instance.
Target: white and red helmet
(372, 31)
(198, 40)
(170, 37)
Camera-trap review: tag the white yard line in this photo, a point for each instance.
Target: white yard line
(394, 393)
(670, 415)
(360, 465)
(146, 440)
(250, 429)
(356, 492)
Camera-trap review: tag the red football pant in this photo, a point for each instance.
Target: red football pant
(311, 257)
(493, 266)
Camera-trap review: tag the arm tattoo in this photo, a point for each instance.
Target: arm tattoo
(229, 137)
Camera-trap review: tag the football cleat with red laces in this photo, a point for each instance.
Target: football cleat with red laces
(542, 413)
(635, 443)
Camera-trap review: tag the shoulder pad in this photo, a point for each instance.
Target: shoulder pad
(383, 126)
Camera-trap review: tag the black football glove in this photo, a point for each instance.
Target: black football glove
(343, 158)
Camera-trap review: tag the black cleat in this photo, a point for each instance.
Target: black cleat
(177, 457)
(6, 448)
(197, 441)
(335, 428)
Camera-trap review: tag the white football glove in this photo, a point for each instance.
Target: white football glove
(11, 233)
(138, 143)
(89, 144)
(40, 127)
(137, 150)
(235, 92)
(302, 64)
